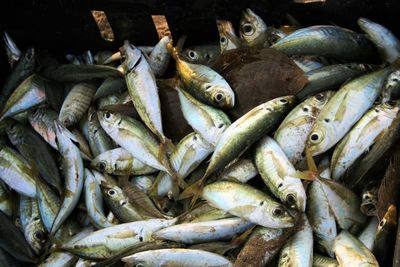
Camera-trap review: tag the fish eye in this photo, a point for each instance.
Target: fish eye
(102, 166)
(278, 211)
(107, 115)
(139, 265)
(290, 199)
(11, 127)
(111, 192)
(314, 138)
(192, 54)
(283, 100)
(39, 235)
(219, 97)
(320, 96)
(248, 29)
(305, 109)
(222, 40)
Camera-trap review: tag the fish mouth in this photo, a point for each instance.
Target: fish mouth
(363, 22)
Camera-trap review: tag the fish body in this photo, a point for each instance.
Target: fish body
(253, 30)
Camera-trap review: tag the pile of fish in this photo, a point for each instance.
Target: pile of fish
(89, 178)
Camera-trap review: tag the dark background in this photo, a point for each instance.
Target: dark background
(61, 26)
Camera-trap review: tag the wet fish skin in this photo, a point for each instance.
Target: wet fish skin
(330, 77)
(391, 89)
(118, 161)
(5, 199)
(177, 257)
(205, 84)
(322, 261)
(187, 155)
(207, 121)
(293, 132)
(15, 243)
(22, 70)
(110, 241)
(76, 103)
(298, 251)
(94, 201)
(16, 172)
(34, 231)
(321, 217)
(279, 174)
(142, 88)
(13, 52)
(201, 54)
(248, 129)
(133, 136)
(227, 37)
(119, 204)
(344, 109)
(253, 30)
(73, 171)
(248, 203)
(368, 234)
(159, 57)
(387, 43)
(109, 86)
(99, 141)
(361, 137)
(350, 251)
(332, 41)
(206, 231)
(242, 171)
(36, 151)
(28, 94)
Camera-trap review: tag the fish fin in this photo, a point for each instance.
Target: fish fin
(310, 161)
(193, 191)
(306, 175)
(243, 237)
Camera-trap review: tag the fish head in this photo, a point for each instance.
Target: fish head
(112, 192)
(390, 218)
(37, 237)
(102, 165)
(376, 32)
(109, 119)
(252, 28)
(294, 194)
(281, 103)
(319, 100)
(318, 141)
(131, 56)
(15, 132)
(221, 94)
(278, 215)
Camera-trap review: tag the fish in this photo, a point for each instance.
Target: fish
(361, 137)
(205, 231)
(28, 94)
(109, 86)
(73, 172)
(108, 242)
(36, 151)
(227, 37)
(99, 141)
(133, 136)
(344, 109)
(279, 174)
(322, 261)
(246, 130)
(293, 132)
(391, 88)
(368, 234)
(13, 52)
(76, 103)
(94, 201)
(31, 223)
(201, 54)
(142, 88)
(350, 251)
(176, 257)
(385, 41)
(186, 157)
(242, 171)
(205, 84)
(369, 200)
(207, 121)
(385, 237)
(118, 161)
(253, 30)
(248, 203)
(298, 250)
(6, 205)
(332, 41)
(159, 57)
(17, 173)
(23, 69)
(331, 77)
